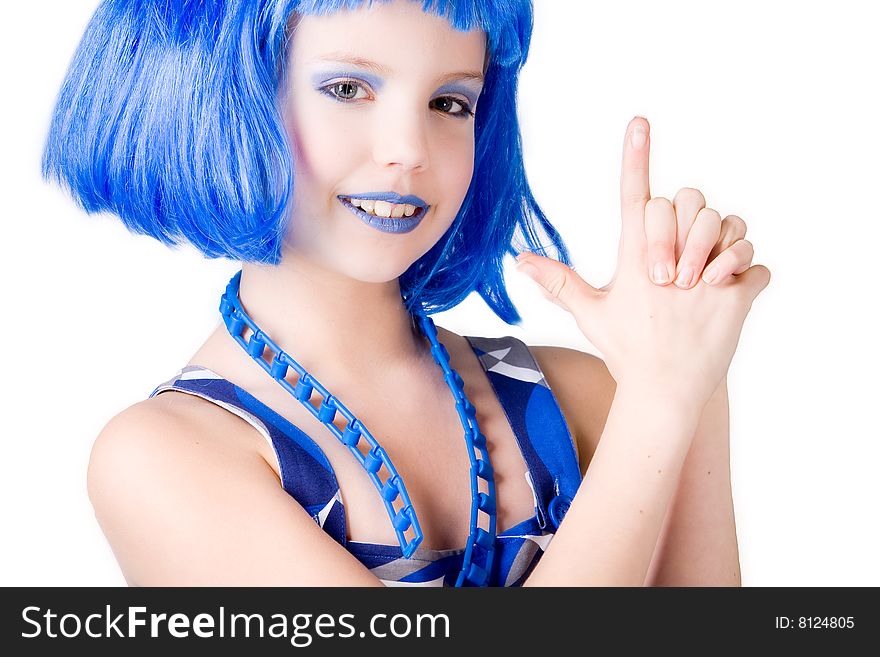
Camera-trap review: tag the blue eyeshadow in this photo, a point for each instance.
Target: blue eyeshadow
(461, 89)
(322, 78)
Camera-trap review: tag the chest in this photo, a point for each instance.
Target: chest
(423, 436)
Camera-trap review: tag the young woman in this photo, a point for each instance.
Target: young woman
(362, 160)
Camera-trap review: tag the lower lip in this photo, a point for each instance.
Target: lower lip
(387, 224)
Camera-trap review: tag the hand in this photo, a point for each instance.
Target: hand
(696, 235)
(680, 344)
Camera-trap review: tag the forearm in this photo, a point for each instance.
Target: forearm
(609, 533)
(697, 544)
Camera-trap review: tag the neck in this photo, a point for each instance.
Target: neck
(330, 323)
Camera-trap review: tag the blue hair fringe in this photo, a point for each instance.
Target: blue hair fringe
(168, 119)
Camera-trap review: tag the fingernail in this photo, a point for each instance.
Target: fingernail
(528, 269)
(660, 273)
(684, 277)
(710, 274)
(638, 136)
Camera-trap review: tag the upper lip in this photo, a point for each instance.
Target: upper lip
(390, 197)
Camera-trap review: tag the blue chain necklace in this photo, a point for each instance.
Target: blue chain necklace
(480, 551)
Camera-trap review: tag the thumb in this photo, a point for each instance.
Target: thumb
(558, 283)
(755, 279)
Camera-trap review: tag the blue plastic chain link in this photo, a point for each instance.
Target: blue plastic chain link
(480, 541)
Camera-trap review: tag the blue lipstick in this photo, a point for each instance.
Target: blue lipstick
(388, 224)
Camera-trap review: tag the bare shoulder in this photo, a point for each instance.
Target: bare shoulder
(170, 424)
(147, 457)
(183, 501)
(584, 389)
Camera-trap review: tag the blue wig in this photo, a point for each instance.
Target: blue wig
(168, 118)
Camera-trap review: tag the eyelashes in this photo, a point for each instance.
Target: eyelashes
(330, 91)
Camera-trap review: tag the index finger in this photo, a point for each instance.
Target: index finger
(635, 189)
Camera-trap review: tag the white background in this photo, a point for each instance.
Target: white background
(770, 109)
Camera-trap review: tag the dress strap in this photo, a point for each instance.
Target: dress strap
(537, 422)
(306, 473)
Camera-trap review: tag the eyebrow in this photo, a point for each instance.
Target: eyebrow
(384, 70)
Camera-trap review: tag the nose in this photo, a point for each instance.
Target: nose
(402, 141)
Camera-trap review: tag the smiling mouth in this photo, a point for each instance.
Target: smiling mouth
(415, 216)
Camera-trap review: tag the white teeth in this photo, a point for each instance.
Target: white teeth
(384, 208)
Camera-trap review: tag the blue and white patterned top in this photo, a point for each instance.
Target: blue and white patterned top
(535, 418)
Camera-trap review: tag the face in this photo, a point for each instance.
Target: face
(379, 101)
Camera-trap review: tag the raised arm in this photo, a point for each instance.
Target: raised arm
(668, 350)
(608, 535)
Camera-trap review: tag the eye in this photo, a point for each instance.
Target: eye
(341, 90)
(447, 101)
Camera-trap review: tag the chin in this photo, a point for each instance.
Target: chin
(386, 275)
(369, 270)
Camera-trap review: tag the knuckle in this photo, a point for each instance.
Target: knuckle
(708, 214)
(721, 262)
(634, 198)
(699, 246)
(690, 195)
(658, 203)
(659, 247)
(556, 285)
(708, 226)
(735, 224)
